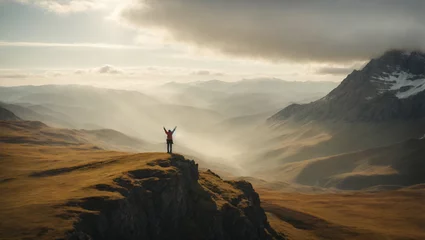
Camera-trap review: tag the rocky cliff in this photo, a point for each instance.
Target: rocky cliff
(171, 199)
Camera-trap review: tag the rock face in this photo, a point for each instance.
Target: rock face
(172, 200)
(391, 87)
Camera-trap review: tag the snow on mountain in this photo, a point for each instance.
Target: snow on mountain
(388, 88)
(404, 84)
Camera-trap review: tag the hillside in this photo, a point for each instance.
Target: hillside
(292, 141)
(393, 166)
(7, 115)
(39, 114)
(386, 215)
(39, 133)
(55, 185)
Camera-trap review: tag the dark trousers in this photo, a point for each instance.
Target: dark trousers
(169, 146)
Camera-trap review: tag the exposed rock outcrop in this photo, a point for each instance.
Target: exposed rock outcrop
(172, 200)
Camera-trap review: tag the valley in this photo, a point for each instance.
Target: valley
(252, 161)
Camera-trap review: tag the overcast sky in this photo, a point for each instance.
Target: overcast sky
(125, 42)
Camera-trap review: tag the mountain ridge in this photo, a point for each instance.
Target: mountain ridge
(388, 88)
(398, 165)
(6, 114)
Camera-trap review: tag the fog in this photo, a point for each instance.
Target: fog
(216, 121)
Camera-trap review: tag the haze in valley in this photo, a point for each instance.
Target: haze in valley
(318, 104)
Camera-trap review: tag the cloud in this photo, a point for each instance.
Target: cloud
(107, 69)
(334, 71)
(79, 72)
(54, 74)
(308, 30)
(206, 73)
(67, 45)
(71, 6)
(202, 73)
(103, 70)
(67, 6)
(13, 76)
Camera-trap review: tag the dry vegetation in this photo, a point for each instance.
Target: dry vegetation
(47, 176)
(397, 165)
(294, 141)
(40, 173)
(222, 192)
(42, 169)
(357, 215)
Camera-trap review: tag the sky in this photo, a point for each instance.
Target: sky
(124, 43)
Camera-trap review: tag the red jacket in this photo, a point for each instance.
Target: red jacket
(169, 133)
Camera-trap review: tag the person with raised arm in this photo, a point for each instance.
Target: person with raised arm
(170, 139)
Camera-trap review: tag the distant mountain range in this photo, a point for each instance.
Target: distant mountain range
(245, 97)
(212, 108)
(130, 112)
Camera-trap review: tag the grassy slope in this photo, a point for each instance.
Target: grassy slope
(37, 179)
(43, 169)
(297, 142)
(39, 174)
(400, 164)
(39, 133)
(293, 147)
(380, 215)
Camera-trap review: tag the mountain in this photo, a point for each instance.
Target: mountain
(7, 115)
(39, 113)
(397, 165)
(70, 95)
(245, 97)
(56, 185)
(130, 112)
(391, 87)
(36, 132)
(381, 105)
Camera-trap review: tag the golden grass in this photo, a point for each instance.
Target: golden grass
(35, 179)
(379, 215)
(222, 192)
(42, 169)
(38, 177)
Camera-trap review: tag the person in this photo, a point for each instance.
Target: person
(169, 139)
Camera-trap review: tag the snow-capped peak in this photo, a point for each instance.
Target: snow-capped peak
(403, 84)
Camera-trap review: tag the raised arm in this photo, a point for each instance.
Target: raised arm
(174, 129)
(165, 130)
